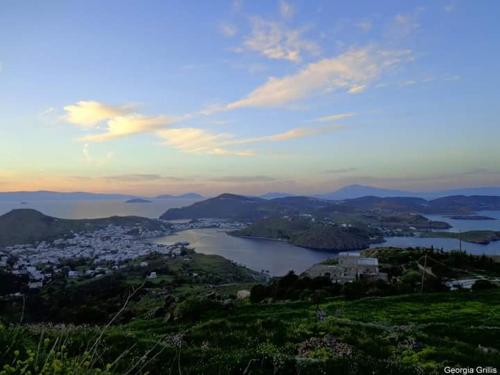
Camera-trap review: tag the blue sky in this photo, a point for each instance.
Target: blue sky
(248, 96)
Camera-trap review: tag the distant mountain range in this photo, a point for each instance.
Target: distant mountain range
(182, 196)
(231, 206)
(347, 192)
(28, 196)
(274, 195)
(358, 191)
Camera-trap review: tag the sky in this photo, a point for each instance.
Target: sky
(156, 97)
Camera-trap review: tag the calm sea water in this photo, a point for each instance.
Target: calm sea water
(447, 244)
(466, 225)
(91, 209)
(274, 256)
(493, 248)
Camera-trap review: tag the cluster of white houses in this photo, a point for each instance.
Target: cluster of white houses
(350, 267)
(104, 250)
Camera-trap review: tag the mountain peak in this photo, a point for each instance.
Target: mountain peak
(25, 213)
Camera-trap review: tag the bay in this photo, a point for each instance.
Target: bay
(276, 257)
(467, 225)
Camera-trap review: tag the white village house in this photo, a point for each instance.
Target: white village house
(350, 267)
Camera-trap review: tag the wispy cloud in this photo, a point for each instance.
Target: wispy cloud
(287, 10)
(89, 113)
(117, 121)
(96, 161)
(228, 30)
(335, 117)
(199, 141)
(340, 170)
(122, 126)
(141, 177)
(352, 71)
(364, 25)
(243, 179)
(134, 177)
(289, 135)
(449, 7)
(277, 42)
(357, 89)
(405, 25)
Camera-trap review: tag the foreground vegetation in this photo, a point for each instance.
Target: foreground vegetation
(189, 321)
(372, 335)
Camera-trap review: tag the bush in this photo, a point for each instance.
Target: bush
(483, 285)
(193, 308)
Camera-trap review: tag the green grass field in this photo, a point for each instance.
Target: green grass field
(382, 335)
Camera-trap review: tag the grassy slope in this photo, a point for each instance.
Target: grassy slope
(444, 329)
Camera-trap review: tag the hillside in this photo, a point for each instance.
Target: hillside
(358, 191)
(304, 233)
(238, 207)
(181, 196)
(289, 325)
(226, 206)
(460, 204)
(27, 226)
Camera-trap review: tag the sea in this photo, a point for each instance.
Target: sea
(93, 209)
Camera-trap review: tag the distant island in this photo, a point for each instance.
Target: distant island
(481, 237)
(305, 233)
(471, 217)
(138, 200)
(239, 207)
(181, 196)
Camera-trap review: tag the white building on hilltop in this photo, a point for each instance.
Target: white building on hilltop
(351, 266)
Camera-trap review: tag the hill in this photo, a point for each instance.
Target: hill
(465, 204)
(238, 207)
(138, 200)
(273, 195)
(181, 196)
(447, 205)
(28, 226)
(358, 191)
(226, 206)
(304, 233)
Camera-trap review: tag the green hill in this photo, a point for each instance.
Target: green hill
(238, 207)
(28, 225)
(226, 206)
(304, 233)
